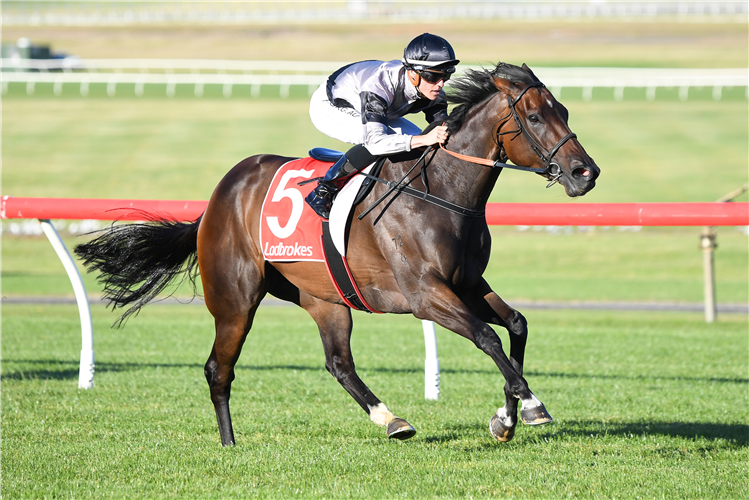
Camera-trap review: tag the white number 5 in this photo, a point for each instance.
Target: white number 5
(297, 203)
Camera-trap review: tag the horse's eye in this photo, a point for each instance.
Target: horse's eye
(534, 119)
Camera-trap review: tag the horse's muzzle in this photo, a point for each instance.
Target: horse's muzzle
(581, 178)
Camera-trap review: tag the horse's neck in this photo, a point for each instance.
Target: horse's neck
(471, 184)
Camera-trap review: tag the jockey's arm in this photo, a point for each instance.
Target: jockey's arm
(380, 143)
(374, 117)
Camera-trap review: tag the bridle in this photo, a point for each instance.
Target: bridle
(552, 171)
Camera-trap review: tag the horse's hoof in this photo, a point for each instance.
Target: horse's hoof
(499, 430)
(535, 416)
(400, 429)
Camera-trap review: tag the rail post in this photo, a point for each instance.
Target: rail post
(86, 368)
(708, 244)
(431, 362)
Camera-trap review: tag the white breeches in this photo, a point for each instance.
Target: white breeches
(345, 124)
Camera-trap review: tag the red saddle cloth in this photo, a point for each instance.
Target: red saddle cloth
(289, 229)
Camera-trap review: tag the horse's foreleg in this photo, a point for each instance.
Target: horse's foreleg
(335, 324)
(533, 412)
(493, 309)
(468, 317)
(516, 326)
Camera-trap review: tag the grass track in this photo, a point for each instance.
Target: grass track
(649, 406)
(646, 405)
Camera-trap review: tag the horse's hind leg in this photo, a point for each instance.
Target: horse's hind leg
(234, 311)
(231, 331)
(233, 286)
(335, 324)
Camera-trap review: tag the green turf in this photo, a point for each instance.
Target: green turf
(608, 264)
(180, 148)
(645, 406)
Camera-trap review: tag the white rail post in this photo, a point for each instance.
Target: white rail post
(707, 243)
(86, 370)
(431, 363)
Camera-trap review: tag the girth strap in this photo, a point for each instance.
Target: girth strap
(341, 276)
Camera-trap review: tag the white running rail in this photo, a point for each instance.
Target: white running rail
(228, 73)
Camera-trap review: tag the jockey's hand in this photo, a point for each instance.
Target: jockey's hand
(438, 135)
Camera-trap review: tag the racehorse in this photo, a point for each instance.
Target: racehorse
(426, 259)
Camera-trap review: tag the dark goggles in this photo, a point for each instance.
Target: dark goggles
(435, 76)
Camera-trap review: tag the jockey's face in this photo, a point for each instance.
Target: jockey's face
(429, 90)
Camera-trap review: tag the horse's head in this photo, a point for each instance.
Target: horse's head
(532, 131)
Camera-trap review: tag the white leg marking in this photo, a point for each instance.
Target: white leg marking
(380, 414)
(507, 420)
(533, 402)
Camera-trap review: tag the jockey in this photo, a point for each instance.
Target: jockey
(364, 104)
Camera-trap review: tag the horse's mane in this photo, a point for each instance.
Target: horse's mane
(475, 87)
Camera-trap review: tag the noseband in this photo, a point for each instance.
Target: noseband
(551, 171)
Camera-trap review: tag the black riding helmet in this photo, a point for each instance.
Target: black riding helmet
(429, 52)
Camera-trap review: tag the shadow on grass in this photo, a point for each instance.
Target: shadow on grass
(103, 367)
(62, 374)
(65, 372)
(731, 380)
(736, 434)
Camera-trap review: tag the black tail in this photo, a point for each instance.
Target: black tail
(138, 261)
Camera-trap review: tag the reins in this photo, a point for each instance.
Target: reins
(422, 195)
(490, 163)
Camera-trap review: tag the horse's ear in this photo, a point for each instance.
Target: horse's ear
(526, 68)
(504, 85)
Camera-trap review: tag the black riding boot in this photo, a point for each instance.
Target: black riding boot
(321, 199)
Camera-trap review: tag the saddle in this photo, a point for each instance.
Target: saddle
(331, 155)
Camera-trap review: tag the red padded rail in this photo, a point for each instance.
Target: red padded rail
(100, 209)
(618, 214)
(503, 214)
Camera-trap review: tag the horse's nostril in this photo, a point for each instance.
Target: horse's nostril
(581, 172)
